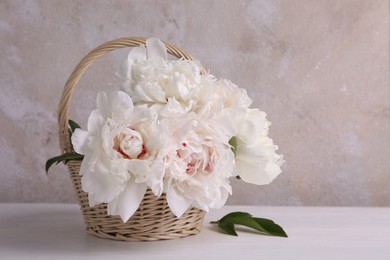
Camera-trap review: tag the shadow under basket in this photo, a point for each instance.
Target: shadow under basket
(153, 220)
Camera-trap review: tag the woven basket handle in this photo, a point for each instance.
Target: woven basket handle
(63, 107)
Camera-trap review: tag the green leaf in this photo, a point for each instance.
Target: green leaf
(73, 125)
(264, 226)
(235, 215)
(233, 143)
(66, 157)
(271, 227)
(227, 227)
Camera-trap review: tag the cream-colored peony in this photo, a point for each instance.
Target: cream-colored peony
(256, 159)
(172, 87)
(198, 168)
(122, 150)
(170, 132)
(228, 96)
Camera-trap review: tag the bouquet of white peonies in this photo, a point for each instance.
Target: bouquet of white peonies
(161, 151)
(176, 131)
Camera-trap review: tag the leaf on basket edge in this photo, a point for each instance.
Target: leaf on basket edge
(65, 158)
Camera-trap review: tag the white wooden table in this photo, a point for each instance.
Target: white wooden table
(56, 231)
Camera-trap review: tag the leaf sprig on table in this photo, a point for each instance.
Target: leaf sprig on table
(262, 225)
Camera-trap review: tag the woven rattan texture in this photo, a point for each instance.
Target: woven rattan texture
(153, 220)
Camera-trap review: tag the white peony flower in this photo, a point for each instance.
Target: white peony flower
(172, 87)
(169, 131)
(256, 160)
(229, 96)
(223, 106)
(122, 150)
(199, 165)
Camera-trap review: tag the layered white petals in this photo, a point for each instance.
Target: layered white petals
(128, 201)
(198, 168)
(174, 86)
(156, 49)
(80, 141)
(177, 202)
(169, 131)
(256, 158)
(119, 164)
(229, 96)
(101, 185)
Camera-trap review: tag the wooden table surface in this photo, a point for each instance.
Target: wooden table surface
(56, 231)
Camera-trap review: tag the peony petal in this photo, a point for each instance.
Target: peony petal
(156, 49)
(251, 173)
(273, 170)
(95, 122)
(141, 94)
(84, 164)
(119, 102)
(253, 126)
(128, 201)
(259, 173)
(102, 104)
(80, 141)
(225, 192)
(136, 54)
(102, 184)
(178, 204)
(225, 126)
(140, 169)
(155, 181)
(251, 152)
(172, 108)
(156, 92)
(91, 200)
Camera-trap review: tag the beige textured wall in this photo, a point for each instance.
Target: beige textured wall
(320, 69)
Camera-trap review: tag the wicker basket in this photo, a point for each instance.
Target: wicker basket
(153, 220)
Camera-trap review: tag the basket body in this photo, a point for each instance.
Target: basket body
(153, 220)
